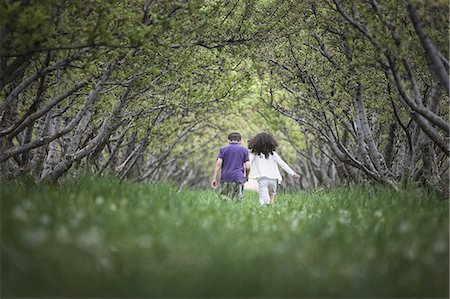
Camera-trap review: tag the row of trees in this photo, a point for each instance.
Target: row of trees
(368, 85)
(148, 89)
(109, 85)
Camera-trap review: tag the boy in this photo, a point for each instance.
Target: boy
(231, 160)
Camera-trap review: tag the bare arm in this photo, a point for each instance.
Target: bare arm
(247, 170)
(217, 168)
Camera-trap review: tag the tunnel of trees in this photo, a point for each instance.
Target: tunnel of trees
(148, 90)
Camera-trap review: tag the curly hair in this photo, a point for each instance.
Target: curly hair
(262, 143)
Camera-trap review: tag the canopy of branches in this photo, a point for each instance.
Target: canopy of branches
(149, 89)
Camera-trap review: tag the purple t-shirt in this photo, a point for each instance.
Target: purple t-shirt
(234, 156)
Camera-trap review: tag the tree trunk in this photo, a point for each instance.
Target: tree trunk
(389, 148)
(113, 154)
(360, 138)
(50, 161)
(374, 154)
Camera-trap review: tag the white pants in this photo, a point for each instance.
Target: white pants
(267, 187)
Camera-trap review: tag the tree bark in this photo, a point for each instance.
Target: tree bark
(362, 146)
(50, 160)
(374, 154)
(389, 148)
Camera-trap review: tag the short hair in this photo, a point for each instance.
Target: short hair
(234, 136)
(262, 143)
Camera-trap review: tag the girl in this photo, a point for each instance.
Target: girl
(263, 165)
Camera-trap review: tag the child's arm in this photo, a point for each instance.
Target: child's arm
(247, 170)
(284, 165)
(216, 171)
(248, 160)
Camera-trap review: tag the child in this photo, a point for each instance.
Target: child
(230, 161)
(263, 161)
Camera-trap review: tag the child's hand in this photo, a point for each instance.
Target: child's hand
(214, 184)
(295, 176)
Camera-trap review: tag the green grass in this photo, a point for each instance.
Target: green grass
(99, 238)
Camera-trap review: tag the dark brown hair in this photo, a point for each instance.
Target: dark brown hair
(262, 143)
(234, 136)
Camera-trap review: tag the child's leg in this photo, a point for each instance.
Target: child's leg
(272, 188)
(272, 199)
(263, 191)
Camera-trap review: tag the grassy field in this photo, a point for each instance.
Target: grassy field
(98, 238)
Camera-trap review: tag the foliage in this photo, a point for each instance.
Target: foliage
(96, 237)
(195, 70)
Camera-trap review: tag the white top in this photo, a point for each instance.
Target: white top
(262, 167)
